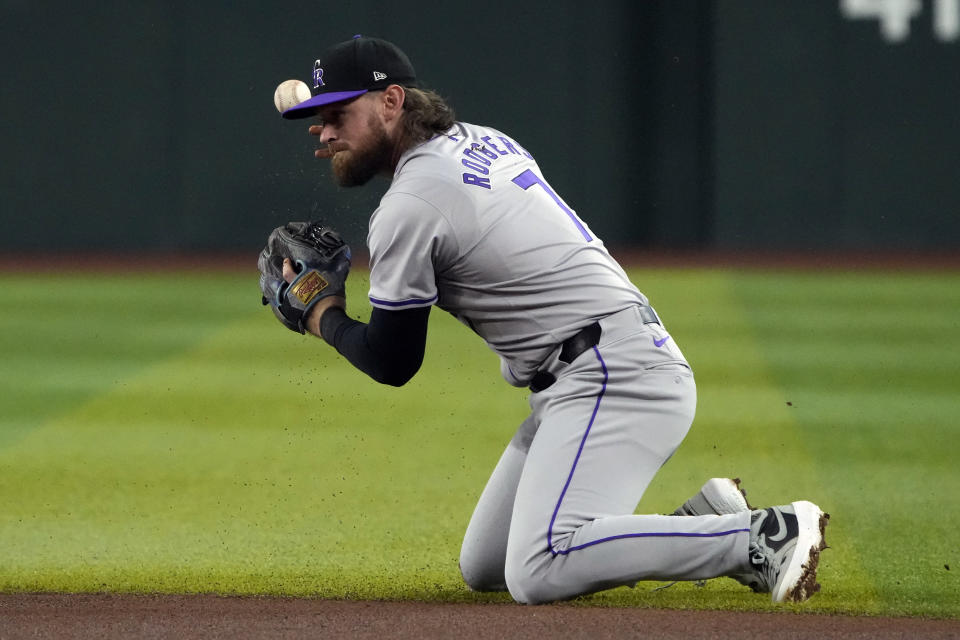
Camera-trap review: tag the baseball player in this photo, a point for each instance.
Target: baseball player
(471, 225)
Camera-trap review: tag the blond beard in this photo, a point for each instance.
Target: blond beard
(357, 166)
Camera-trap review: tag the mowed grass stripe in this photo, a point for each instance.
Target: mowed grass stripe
(252, 460)
(744, 428)
(258, 463)
(64, 340)
(870, 363)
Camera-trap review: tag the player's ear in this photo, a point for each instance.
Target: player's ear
(392, 101)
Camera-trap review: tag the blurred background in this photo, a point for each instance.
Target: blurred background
(731, 125)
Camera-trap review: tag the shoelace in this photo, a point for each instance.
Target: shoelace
(764, 558)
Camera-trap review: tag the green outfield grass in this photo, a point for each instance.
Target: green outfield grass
(161, 432)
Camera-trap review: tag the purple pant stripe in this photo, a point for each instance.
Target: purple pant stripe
(593, 416)
(573, 468)
(652, 535)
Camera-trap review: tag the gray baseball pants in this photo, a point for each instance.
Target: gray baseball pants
(556, 518)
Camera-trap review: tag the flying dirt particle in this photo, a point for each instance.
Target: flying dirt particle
(789, 404)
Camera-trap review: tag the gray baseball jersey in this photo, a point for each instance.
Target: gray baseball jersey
(471, 225)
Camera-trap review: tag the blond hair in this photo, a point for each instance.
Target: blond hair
(426, 114)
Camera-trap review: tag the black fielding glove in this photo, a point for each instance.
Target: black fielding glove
(322, 261)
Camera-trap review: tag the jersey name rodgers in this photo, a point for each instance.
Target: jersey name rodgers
(470, 224)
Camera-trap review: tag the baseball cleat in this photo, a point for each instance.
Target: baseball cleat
(718, 496)
(785, 546)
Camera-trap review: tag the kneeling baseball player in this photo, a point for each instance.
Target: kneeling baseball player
(471, 225)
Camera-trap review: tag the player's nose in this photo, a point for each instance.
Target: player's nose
(325, 132)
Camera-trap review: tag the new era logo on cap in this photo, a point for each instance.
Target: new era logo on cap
(378, 76)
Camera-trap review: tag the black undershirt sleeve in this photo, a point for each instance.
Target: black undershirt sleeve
(389, 349)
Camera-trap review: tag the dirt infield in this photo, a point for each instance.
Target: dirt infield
(115, 616)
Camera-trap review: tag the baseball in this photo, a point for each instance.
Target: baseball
(289, 94)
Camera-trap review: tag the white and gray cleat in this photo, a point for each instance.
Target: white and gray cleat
(718, 496)
(785, 546)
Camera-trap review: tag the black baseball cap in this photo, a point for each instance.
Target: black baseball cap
(352, 68)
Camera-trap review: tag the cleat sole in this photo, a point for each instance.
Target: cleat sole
(799, 580)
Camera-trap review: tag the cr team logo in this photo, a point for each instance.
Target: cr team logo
(317, 75)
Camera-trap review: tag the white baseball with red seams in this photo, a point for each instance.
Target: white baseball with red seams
(471, 225)
(290, 93)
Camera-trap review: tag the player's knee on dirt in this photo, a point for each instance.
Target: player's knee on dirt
(480, 571)
(526, 588)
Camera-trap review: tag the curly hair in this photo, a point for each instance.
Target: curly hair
(426, 114)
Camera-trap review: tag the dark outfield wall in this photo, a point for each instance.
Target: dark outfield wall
(671, 123)
(836, 128)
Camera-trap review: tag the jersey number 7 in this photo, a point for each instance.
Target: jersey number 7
(528, 178)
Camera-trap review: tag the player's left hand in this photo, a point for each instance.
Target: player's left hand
(302, 264)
